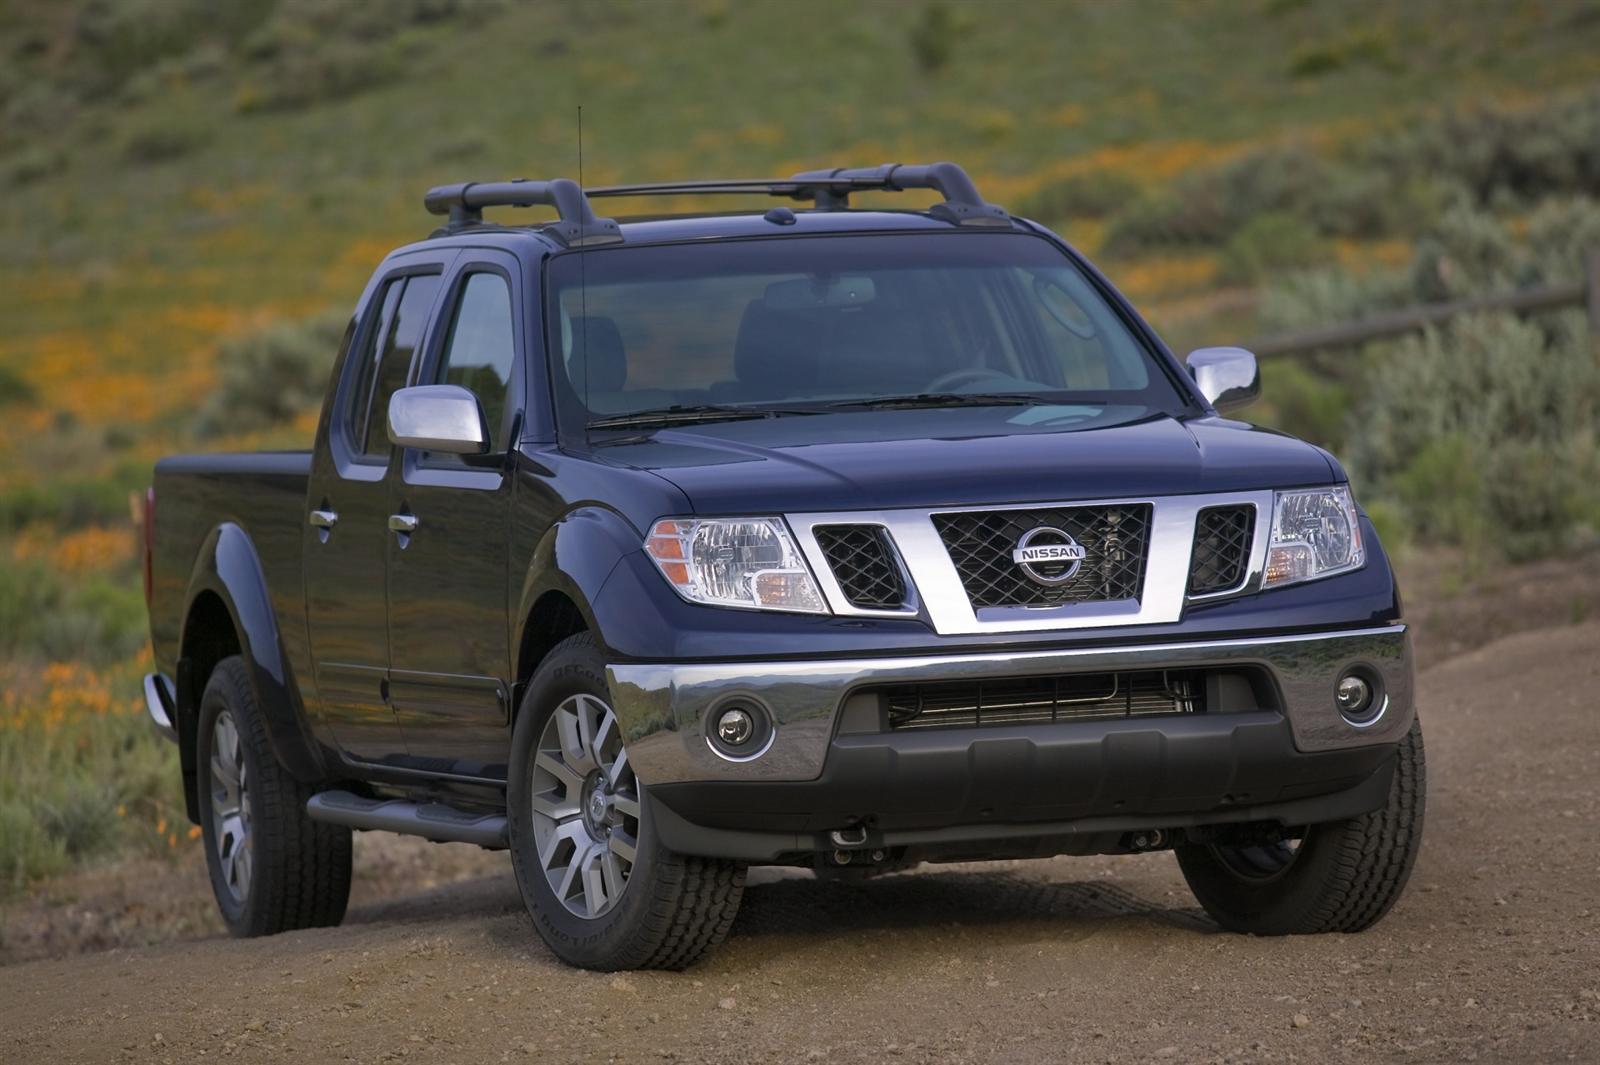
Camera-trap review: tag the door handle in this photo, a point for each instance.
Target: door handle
(403, 523)
(324, 519)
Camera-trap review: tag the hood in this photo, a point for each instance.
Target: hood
(963, 456)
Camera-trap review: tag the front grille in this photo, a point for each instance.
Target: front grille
(1115, 539)
(1042, 700)
(864, 565)
(1222, 537)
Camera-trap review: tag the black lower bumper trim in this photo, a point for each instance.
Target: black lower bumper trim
(949, 787)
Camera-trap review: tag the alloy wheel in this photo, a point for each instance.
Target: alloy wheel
(230, 807)
(585, 806)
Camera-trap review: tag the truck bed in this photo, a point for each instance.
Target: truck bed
(262, 492)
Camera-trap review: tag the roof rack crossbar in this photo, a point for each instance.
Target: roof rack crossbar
(831, 189)
(578, 225)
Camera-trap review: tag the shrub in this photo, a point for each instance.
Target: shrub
(163, 140)
(93, 619)
(271, 377)
(27, 852)
(14, 388)
(933, 37)
(1269, 244)
(1486, 432)
(1093, 194)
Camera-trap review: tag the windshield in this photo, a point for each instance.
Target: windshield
(770, 328)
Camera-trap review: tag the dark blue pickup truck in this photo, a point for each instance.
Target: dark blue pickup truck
(804, 535)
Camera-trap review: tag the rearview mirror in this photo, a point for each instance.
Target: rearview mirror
(444, 418)
(803, 293)
(1228, 377)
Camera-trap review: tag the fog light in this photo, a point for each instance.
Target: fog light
(739, 729)
(735, 727)
(1354, 696)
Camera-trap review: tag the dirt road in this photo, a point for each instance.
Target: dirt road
(1493, 955)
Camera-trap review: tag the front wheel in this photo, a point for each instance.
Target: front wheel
(602, 891)
(1340, 877)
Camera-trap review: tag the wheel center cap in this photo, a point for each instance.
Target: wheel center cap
(597, 805)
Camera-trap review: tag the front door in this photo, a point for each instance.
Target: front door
(347, 521)
(449, 589)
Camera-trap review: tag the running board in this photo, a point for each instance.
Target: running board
(432, 820)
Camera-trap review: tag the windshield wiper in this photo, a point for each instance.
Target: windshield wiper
(943, 399)
(689, 414)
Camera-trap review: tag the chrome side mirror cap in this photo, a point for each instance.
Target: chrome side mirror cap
(1228, 377)
(444, 418)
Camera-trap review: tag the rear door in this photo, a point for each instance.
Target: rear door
(449, 586)
(347, 525)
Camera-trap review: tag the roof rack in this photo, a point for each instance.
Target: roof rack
(831, 189)
(578, 225)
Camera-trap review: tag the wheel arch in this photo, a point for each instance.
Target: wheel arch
(230, 611)
(564, 576)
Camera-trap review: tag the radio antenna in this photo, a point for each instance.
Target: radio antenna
(583, 291)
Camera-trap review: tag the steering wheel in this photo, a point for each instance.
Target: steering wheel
(949, 382)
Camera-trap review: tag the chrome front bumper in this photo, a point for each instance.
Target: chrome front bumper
(664, 707)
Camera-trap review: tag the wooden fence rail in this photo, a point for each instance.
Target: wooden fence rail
(1411, 319)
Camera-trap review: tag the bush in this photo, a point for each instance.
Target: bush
(1486, 433)
(14, 388)
(93, 619)
(27, 851)
(1500, 154)
(163, 140)
(271, 377)
(933, 37)
(1093, 194)
(1269, 244)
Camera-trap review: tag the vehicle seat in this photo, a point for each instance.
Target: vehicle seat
(598, 352)
(776, 353)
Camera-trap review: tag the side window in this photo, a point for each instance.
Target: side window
(403, 336)
(358, 400)
(481, 348)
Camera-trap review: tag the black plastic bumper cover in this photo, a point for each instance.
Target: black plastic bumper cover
(1057, 780)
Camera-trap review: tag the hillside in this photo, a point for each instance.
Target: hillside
(180, 179)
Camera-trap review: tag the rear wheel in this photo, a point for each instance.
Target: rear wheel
(1338, 877)
(273, 869)
(602, 891)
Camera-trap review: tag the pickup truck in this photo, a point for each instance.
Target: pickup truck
(807, 535)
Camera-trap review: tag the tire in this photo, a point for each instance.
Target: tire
(1343, 877)
(604, 893)
(273, 869)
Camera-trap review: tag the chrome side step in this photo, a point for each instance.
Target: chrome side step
(432, 820)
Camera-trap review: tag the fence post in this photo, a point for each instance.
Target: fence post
(1591, 277)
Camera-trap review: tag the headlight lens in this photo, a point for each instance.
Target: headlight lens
(742, 562)
(1314, 534)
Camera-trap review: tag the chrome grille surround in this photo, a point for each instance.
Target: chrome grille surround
(937, 595)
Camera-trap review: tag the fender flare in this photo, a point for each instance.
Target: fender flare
(227, 566)
(574, 557)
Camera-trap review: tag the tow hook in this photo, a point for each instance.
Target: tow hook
(854, 836)
(1148, 840)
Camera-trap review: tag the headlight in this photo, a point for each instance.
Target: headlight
(744, 562)
(1314, 534)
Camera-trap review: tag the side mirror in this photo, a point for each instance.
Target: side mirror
(438, 418)
(1228, 377)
